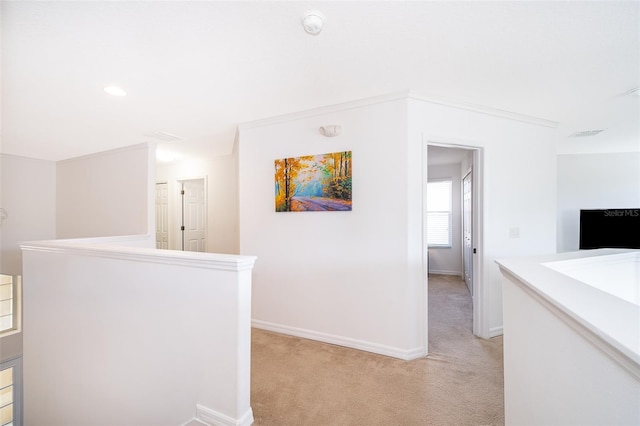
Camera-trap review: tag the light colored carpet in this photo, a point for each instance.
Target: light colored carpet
(305, 383)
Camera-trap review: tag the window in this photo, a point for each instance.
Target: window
(439, 213)
(8, 300)
(11, 392)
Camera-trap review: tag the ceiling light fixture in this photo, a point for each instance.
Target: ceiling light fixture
(330, 131)
(166, 156)
(312, 22)
(115, 91)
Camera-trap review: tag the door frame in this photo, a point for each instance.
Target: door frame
(480, 298)
(466, 265)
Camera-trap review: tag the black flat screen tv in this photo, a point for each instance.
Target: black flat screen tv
(610, 228)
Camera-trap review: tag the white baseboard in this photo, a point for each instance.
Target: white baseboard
(404, 354)
(439, 272)
(195, 422)
(496, 331)
(213, 418)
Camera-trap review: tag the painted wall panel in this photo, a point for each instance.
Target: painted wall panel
(29, 198)
(106, 194)
(28, 188)
(153, 333)
(335, 275)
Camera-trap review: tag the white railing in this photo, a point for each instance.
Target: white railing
(119, 333)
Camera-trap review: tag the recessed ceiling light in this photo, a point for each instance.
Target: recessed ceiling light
(115, 91)
(166, 156)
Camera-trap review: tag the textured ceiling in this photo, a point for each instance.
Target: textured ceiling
(198, 69)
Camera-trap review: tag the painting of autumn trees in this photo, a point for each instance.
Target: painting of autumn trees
(314, 183)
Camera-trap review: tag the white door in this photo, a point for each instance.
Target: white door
(194, 229)
(467, 230)
(162, 216)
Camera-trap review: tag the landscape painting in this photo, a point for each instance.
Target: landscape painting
(314, 183)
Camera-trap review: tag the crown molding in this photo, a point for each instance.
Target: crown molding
(324, 110)
(22, 158)
(136, 147)
(482, 109)
(405, 94)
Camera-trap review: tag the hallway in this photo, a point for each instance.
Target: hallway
(302, 382)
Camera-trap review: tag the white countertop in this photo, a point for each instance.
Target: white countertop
(610, 322)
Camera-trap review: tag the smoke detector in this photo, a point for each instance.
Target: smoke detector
(312, 22)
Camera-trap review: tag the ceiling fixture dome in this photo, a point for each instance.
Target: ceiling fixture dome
(115, 91)
(312, 21)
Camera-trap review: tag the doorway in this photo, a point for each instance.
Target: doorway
(463, 165)
(181, 215)
(162, 215)
(193, 217)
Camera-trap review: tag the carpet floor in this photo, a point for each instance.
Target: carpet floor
(306, 383)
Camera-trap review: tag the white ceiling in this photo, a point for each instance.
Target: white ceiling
(198, 69)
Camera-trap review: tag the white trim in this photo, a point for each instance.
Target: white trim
(195, 422)
(482, 109)
(480, 281)
(145, 145)
(225, 262)
(404, 354)
(496, 331)
(22, 158)
(406, 95)
(440, 272)
(212, 417)
(324, 110)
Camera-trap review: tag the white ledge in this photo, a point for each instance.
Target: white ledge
(109, 248)
(610, 323)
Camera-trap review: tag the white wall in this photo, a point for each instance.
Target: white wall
(356, 278)
(332, 276)
(448, 260)
(123, 335)
(594, 181)
(29, 198)
(222, 214)
(518, 185)
(105, 194)
(28, 190)
(570, 350)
